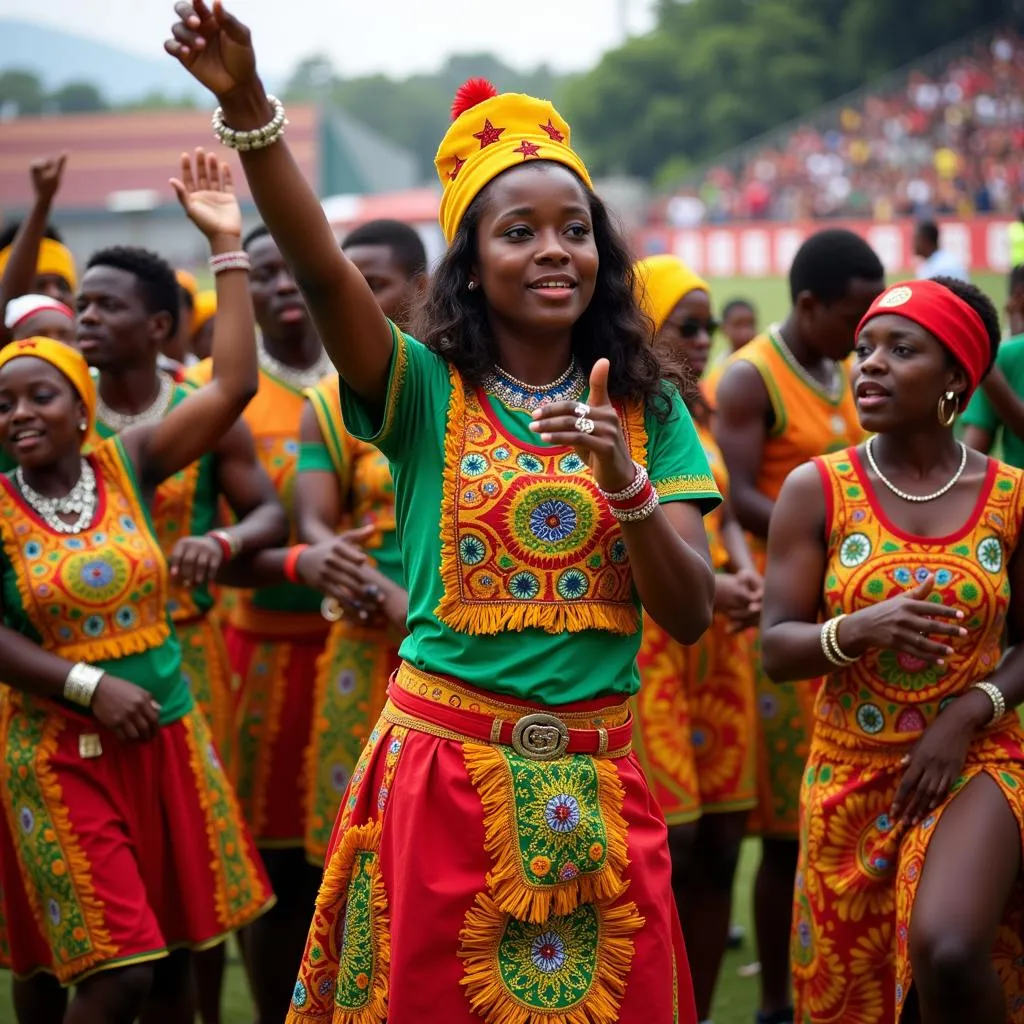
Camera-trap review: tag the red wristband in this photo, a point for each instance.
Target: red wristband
(640, 498)
(224, 541)
(291, 562)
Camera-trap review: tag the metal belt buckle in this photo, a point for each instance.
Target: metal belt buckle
(540, 737)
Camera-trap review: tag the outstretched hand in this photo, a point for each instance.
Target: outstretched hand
(213, 46)
(207, 195)
(593, 430)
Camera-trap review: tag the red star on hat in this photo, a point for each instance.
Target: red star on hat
(454, 172)
(528, 149)
(489, 135)
(553, 132)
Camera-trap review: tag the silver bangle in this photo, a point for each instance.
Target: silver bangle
(81, 682)
(258, 138)
(229, 261)
(636, 486)
(641, 512)
(996, 696)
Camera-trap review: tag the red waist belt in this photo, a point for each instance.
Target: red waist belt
(441, 707)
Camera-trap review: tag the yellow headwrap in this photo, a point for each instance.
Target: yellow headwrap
(66, 359)
(205, 310)
(662, 281)
(54, 258)
(489, 134)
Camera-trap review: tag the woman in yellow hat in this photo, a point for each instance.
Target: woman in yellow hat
(695, 712)
(498, 855)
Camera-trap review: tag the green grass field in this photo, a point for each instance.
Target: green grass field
(737, 995)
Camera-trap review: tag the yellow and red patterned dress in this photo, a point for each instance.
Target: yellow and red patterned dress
(112, 852)
(274, 637)
(859, 871)
(807, 421)
(185, 505)
(696, 718)
(353, 671)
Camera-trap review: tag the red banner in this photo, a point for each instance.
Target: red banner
(767, 249)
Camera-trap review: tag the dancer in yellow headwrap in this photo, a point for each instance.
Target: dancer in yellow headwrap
(498, 854)
(695, 713)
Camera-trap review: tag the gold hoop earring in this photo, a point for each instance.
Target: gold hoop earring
(948, 408)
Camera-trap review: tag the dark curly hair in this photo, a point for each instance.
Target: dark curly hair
(157, 283)
(8, 232)
(982, 305)
(452, 320)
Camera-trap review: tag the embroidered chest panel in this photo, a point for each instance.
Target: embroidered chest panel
(96, 595)
(373, 490)
(886, 694)
(273, 418)
(174, 515)
(527, 539)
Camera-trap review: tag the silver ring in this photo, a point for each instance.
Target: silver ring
(582, 409)
(331, 610)
(584, 425)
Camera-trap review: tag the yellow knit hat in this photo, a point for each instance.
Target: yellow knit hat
(54, 258)
(205, 309)
(662, 281)
(490, 134)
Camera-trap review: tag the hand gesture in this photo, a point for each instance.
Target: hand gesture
(594, 431)
(213, 46)
(126, 709)
(46, 176)
(206, 194)
(938, 757)
(340, 569)
(738, 595)
(904, 623)
(195, 561)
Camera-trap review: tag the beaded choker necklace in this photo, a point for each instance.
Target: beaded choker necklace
(516, 394)
(118, 421)
(291, 375)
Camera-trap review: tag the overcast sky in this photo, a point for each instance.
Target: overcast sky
(360, 36)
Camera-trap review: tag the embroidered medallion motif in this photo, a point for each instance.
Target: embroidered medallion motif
(527, 540)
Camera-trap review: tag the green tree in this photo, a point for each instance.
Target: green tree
(77, 98)
(21, 93)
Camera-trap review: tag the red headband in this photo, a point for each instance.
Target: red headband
(953, 322)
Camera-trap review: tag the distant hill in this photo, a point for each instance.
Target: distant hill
(58, 57)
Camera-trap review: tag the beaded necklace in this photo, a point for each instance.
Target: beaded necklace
(516, 394)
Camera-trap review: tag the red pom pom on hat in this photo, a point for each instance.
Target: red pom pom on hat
(470, 93)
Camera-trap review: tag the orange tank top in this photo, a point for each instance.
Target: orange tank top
(808, 421)
(886, 697)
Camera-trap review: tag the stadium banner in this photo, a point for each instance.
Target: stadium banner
(766, 249)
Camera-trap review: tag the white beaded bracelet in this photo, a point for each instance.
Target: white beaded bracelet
(637, 484)
(81, 682)
(638, 514)
(258, 138)
(995, 695)
(229, 261)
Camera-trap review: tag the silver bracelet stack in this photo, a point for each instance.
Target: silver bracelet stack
(258, 138)
(830, 643)
(995, 695)
(229, 261)
(81, 682)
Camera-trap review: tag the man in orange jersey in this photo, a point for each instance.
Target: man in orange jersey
(784, 398)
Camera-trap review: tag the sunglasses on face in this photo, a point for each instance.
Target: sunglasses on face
(691, 327)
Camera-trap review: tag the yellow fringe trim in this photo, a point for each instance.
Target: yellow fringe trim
(513, 892)
(495, 1003)
(75, 860)
(634, 426)
(333, 894)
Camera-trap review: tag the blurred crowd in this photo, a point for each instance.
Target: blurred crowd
(950, 143)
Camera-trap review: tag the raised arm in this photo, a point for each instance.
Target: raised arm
(741, 427)
(20, 272)
(216, 49)
(196, 425)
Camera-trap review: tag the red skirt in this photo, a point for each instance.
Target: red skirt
(277, 669)
(492, 886)
(114, 853)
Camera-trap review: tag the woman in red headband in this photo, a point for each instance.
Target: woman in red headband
(890, 568)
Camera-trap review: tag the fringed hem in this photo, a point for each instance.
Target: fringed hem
(514, 892)
(341, 874)
(71, 862)
(505, 985)
(487, 620)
